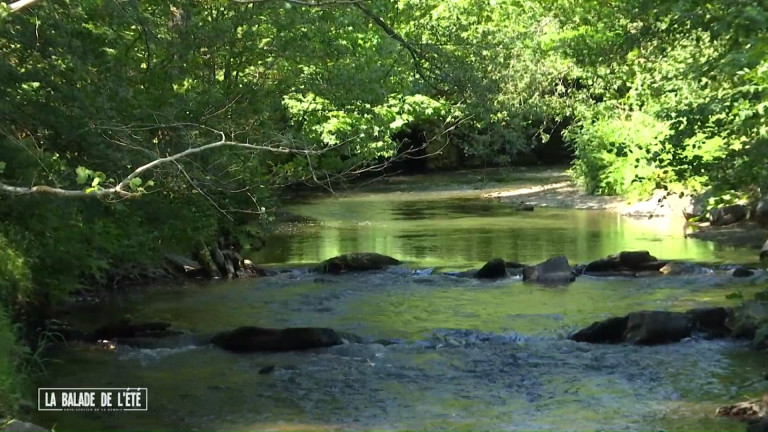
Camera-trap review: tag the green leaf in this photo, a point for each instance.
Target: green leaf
(83, 174)
(95, 182)
(2, 167)
(135, 183)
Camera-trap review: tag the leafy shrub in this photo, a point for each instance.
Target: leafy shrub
(11, 357)
(617, 153)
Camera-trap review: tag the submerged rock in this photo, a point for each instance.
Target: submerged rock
(124, 330)
(356, 262)
(493, 269)
(253, 339)
(552, 271)
(742, 272)
(347, 337)
(678, 268)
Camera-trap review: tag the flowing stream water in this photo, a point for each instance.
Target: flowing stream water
(469, 355)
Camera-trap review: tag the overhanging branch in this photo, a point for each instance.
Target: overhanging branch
(120, 190)
(20, 5)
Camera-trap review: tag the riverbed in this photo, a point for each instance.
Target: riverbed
(461, 353)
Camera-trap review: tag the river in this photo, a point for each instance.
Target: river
(469, 354)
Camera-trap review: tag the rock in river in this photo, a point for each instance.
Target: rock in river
(552, 271)
(711, 320)
(356, 262)
(742, 272)
(253, 339)
(607, 331)
(642, 328)
(657, 327)
(728, 215)
(493, 269)
(627, 261)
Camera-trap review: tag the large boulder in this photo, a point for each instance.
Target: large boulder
(606, 331)
(642, 328)
(253, 339)
(728, 215)
(493, 269)
(764, 251)
(628, 262)
(552, 271)
(711, 320)
(124, 329)
(657, 327)
(356, 262)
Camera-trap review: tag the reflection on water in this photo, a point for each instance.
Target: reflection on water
(467, 232)
(470, 354)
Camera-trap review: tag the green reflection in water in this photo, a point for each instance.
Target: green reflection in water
(459, 233)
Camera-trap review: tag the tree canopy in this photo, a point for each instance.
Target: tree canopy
(206, 109)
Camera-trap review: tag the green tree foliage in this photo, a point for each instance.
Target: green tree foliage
(654, 95)
(694, 72)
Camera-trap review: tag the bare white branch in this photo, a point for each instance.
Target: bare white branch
(20, 5)
(122, 188)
